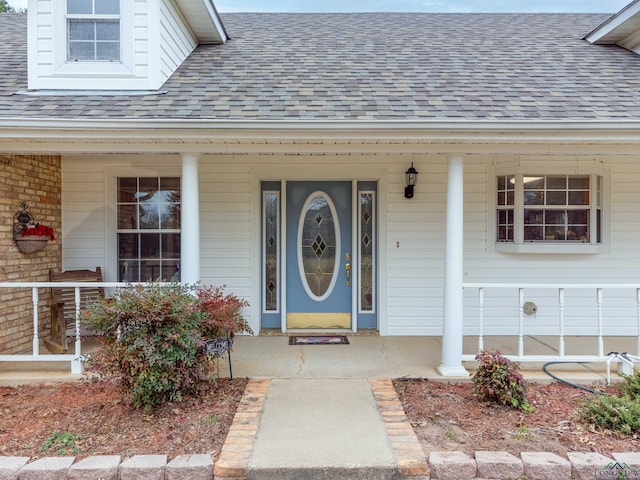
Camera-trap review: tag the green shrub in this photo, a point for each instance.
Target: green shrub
(498, 379)
(631, 386)
(610, 412)
(152, 340)
(618, 413)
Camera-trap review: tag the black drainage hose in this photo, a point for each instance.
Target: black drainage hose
(581, 387)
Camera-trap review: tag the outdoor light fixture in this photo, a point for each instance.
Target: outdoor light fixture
(411, 177)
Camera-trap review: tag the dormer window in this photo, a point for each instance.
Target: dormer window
(93, 30)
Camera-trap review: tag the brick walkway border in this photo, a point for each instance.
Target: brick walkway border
(233, 463)
(405, 447)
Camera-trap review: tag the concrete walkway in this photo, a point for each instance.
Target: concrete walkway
(325, 426)
(396, 357)
(321, 429)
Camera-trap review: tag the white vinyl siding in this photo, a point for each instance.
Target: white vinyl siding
(411, 237)
(176, 41)
(83, 215)
(225, 226)
(415, 254)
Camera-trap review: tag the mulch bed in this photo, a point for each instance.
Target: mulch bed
(84, 419)
(447, 416)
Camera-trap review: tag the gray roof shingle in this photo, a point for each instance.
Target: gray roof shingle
(367, 66)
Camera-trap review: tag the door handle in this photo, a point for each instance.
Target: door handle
(347, 268)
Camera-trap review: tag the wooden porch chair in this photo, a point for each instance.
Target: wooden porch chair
(63, 305)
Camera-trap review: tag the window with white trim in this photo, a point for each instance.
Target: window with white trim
(93, 30)
(148, 229)
(548, 209)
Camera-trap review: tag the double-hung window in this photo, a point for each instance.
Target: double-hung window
(148, 229)
(548, 212)
(93, 30)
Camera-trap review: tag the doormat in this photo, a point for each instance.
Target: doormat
(319, 340)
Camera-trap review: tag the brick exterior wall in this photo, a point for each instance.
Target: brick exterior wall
(35, 180)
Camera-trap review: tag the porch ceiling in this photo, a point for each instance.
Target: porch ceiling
(311, 137)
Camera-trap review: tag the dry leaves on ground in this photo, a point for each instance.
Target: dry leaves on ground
(448, 417)
(82, 419)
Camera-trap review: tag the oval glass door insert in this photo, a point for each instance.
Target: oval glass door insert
(318, 245)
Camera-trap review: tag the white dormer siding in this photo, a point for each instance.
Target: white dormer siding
(621, 29)
(176, 40)
(154, 40)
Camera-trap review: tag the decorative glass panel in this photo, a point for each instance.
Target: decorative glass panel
(148, 229)
(367, 250)
(271, 249)
(318, 247)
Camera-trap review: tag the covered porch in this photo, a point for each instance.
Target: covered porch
(366, 356)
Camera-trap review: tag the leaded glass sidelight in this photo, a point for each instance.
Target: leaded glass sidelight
(318, 245)
(271, 221)
(367, 250)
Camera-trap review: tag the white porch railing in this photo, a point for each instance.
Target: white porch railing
(597, 290)
(75, 358)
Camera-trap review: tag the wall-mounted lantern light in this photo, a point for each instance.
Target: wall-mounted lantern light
(411, 177)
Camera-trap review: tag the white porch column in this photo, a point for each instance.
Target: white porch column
(451, 365)
(190, 223)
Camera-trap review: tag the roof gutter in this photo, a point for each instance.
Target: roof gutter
(19, 123)
(454, 131)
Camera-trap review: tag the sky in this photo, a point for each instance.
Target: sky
(588, 6)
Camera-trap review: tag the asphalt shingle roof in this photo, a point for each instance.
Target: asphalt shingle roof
(368, 66)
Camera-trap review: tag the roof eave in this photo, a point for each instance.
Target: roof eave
(618, 27)
(204, 20)
(395, 138)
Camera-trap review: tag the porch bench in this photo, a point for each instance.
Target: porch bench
(63, 305)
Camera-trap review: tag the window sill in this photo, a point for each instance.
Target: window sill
(554, 248)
